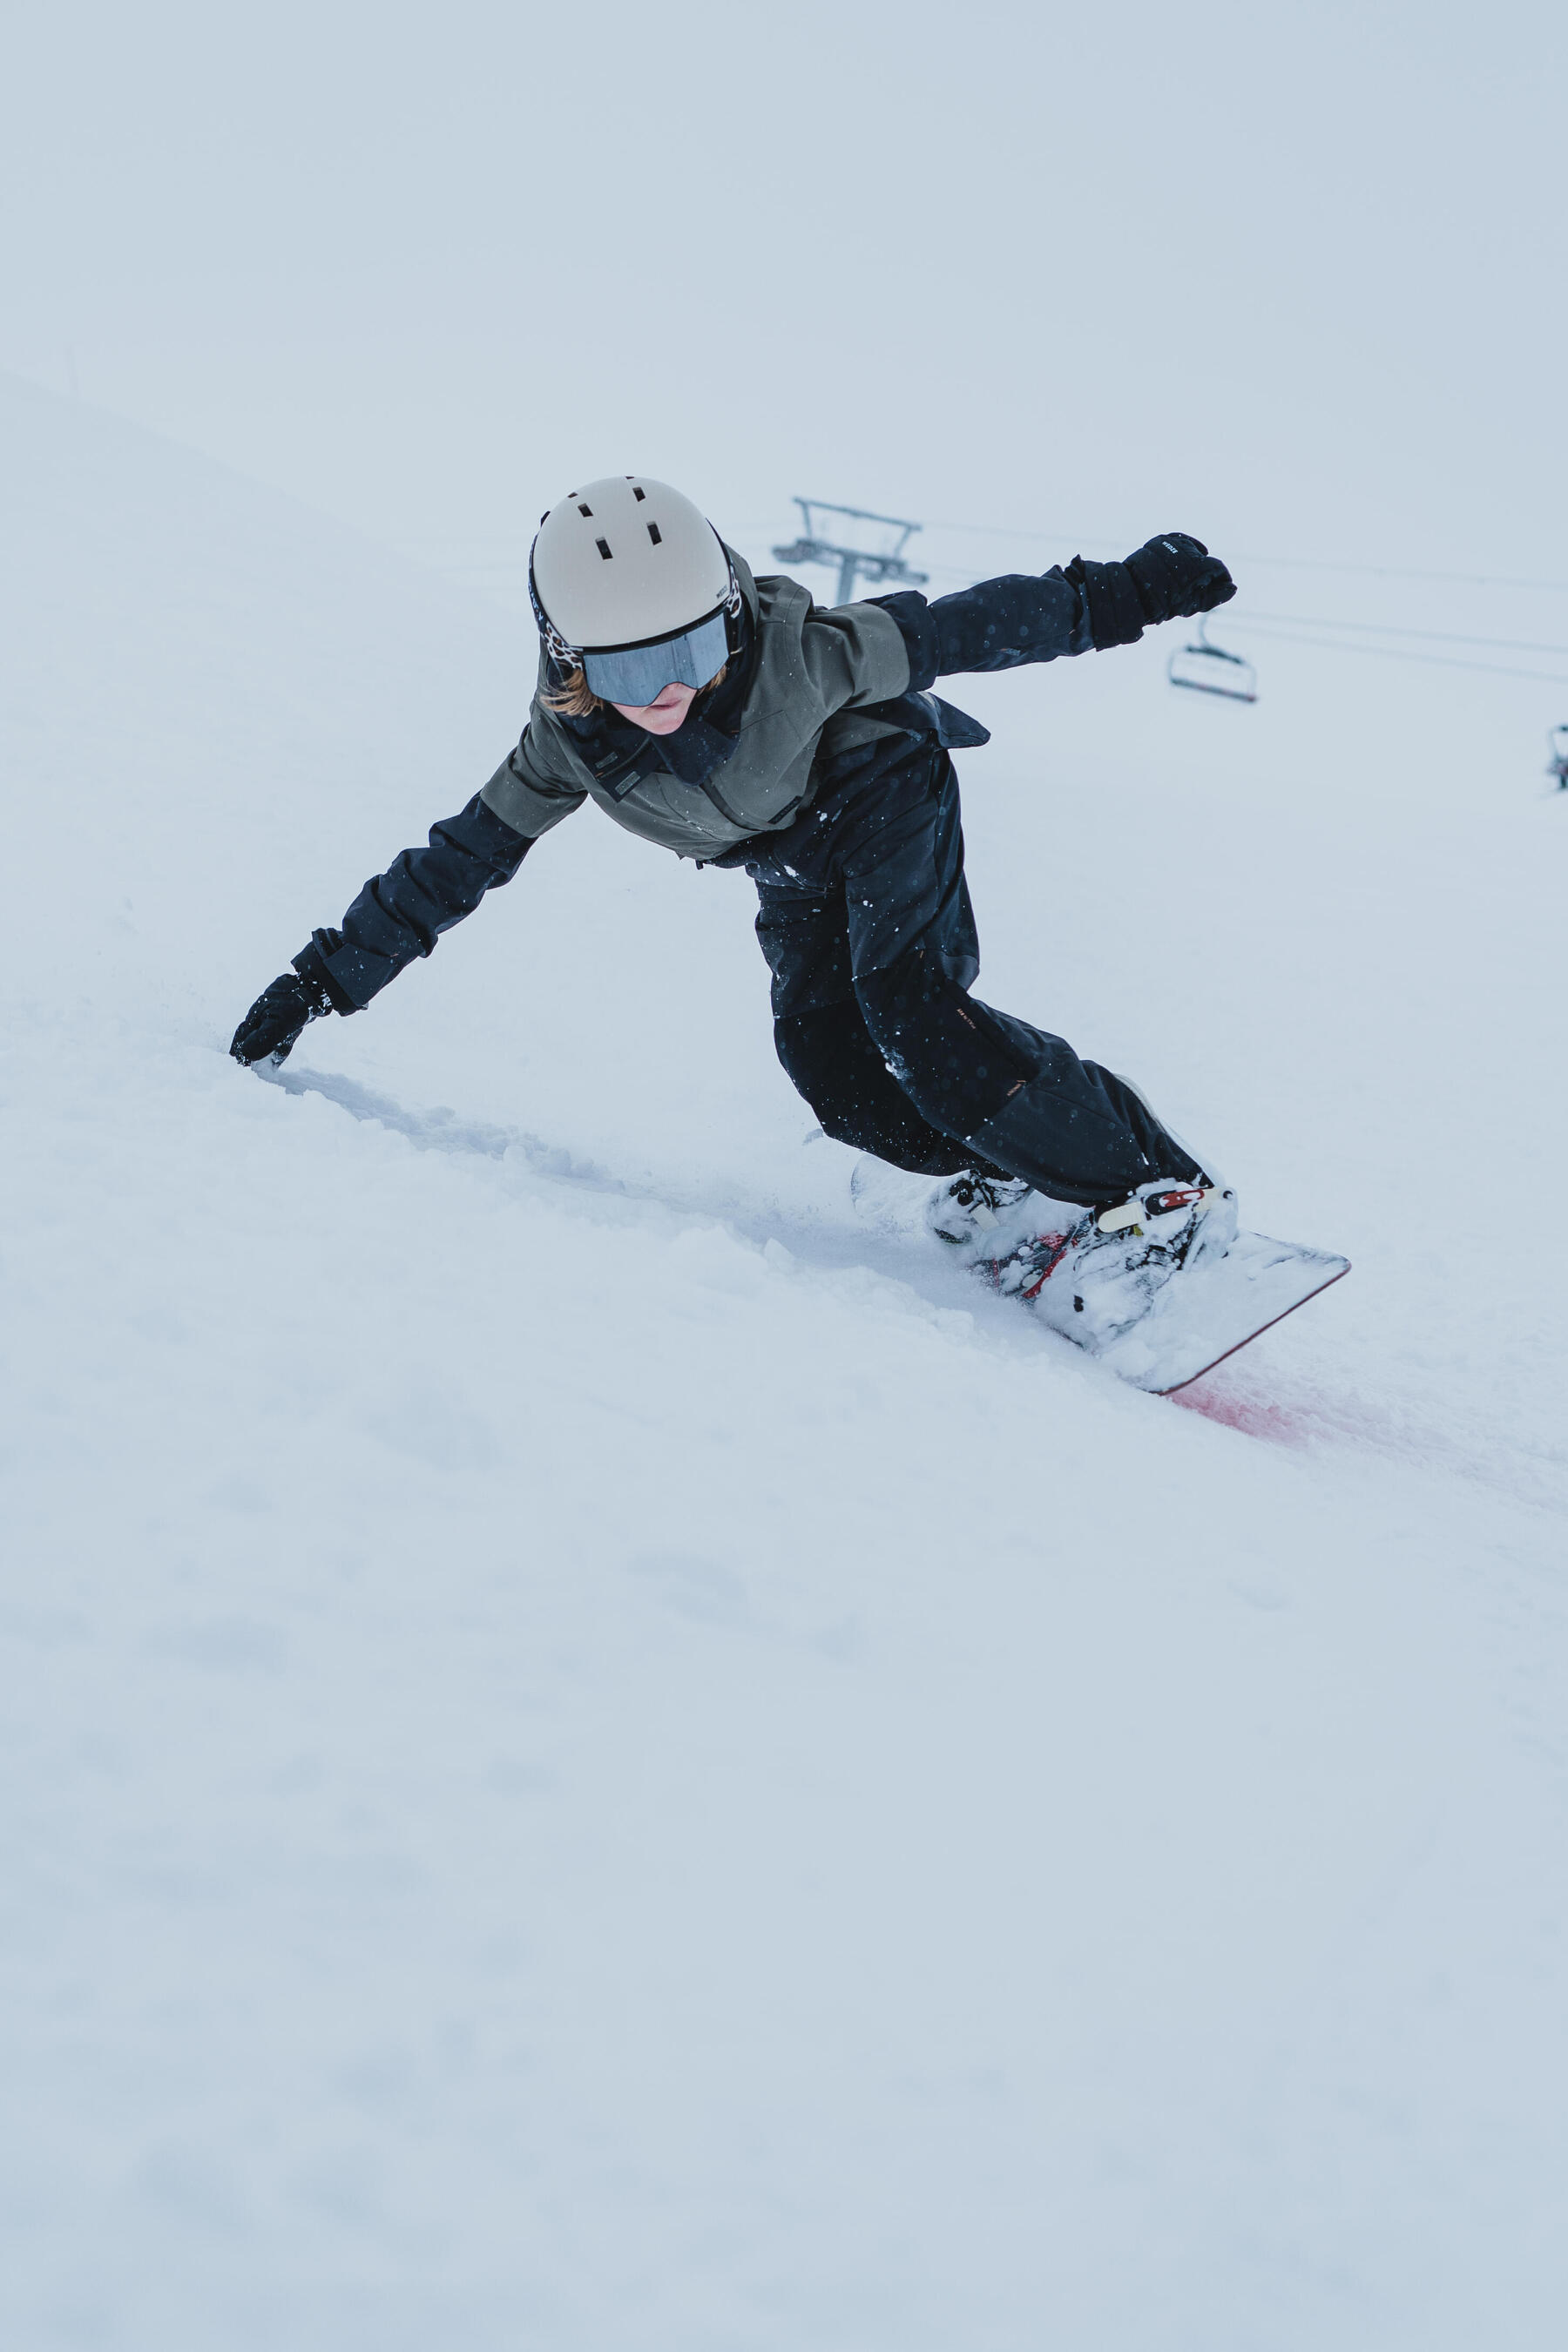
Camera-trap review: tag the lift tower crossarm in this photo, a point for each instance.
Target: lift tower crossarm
(855, 563)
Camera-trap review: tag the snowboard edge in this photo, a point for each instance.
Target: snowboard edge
(1236, 1344)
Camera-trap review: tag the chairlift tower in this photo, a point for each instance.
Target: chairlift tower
(872, 564)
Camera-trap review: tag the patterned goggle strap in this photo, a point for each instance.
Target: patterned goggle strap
(563, 657)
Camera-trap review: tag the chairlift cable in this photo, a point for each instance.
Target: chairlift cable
(1389, 629)
(1397, 653)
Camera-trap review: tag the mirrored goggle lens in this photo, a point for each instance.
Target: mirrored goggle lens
(639, 674)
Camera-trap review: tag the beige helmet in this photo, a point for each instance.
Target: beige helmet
(631, 583)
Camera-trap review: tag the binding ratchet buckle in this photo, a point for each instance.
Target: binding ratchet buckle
(1131, 1215)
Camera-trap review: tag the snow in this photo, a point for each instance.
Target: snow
(597, 1755)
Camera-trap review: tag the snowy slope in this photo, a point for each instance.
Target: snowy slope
(596, 1758)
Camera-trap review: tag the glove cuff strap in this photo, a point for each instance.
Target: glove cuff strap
(325, 993)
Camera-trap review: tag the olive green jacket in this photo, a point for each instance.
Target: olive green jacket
(815, 677)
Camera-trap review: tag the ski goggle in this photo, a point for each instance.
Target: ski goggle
(638, 674)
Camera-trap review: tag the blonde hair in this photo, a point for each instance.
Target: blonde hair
(575, 698)
(572, 699)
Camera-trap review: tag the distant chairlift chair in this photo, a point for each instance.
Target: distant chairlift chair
(1557, 765)
(1209, 669)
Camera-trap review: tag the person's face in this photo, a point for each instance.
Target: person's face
(664, 714)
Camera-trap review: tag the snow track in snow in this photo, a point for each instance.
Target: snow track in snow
(1262, 1401)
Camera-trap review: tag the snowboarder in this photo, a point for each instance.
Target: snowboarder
(734, 721)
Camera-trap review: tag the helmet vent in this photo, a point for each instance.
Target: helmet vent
(627, 562)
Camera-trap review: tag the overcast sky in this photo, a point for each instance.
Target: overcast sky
(1289, 277)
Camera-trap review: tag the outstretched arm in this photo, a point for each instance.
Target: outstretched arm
(397, 916)
(1086, 607)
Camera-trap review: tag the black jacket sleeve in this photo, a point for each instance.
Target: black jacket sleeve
(996, 624)
(402, 913)
(1002, 624)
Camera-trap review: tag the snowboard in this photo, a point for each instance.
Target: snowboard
(1203, 1314)
(1206, 1312)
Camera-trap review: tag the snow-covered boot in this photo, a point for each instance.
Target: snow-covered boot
(1094, 1279)
(969, 1210)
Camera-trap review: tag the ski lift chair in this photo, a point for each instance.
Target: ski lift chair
(1203, 669)
(1557, 765)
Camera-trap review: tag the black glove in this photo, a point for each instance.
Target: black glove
(1174, 576)
(272, 1027)
(1116, 615)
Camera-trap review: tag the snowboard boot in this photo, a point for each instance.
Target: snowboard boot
(1099, 1275)
(969, 1209)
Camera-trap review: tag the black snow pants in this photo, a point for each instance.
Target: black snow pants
(867, 926)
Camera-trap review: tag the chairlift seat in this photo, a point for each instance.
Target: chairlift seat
(1203, 669)
(1557, 765)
